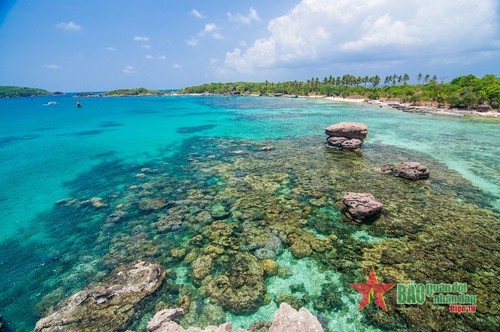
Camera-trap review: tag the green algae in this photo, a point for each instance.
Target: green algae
(215, 221)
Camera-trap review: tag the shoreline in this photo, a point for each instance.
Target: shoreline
(409, 108)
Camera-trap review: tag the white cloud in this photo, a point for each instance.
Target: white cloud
(129, 70)
(252, 16)
(192, 42)
(209, 27)
(211, 30)
(177, 66)
(345, 31)
(217, 35)
(141, 38)
(196, 13)
(146, 46)
(72, 26)
(160, 57)
(51, 66)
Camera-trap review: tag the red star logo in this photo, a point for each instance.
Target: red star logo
(370, 288)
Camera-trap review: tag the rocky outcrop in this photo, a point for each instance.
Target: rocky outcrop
(106, 308)
(410, 170)
(286, 319)
(346, 135)
(361, 207)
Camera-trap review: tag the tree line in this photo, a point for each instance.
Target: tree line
(462, 92)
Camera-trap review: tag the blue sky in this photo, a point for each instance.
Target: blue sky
(89, 45)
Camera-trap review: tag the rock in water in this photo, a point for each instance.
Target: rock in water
(411, 170)
(346, 135)
(344, 143)
(348, 129)
(362, 207)
(287, 319)
(106, 308)
(163, 322)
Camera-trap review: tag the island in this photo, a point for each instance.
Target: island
(16, 91)
(465, 92)
(132, 92)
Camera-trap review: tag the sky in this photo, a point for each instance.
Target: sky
(98, 45)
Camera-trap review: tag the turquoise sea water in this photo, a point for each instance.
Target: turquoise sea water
(53, 152)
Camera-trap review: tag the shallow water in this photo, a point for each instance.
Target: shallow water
(171, 163)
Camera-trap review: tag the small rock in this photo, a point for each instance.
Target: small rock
(362, 207)
(163, 318)
(267, 148)
(163, 322)
(411, 170)
(287, 319)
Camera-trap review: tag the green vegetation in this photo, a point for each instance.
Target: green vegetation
(16, 91)
(133, 92)
(462, 92)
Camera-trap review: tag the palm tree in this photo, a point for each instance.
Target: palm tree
(419, 77)
(406, 78)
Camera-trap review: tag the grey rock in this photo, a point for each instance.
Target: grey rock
(348, 130)
(344, 143)
(361, 207)
(411, 170)
(346, 135)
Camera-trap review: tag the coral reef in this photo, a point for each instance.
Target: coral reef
(224, 221)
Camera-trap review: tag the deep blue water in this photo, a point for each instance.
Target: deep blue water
(51, 152)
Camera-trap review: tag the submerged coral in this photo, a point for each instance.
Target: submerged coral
(226, 224)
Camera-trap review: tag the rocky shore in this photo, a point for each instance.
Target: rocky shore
(481, 111)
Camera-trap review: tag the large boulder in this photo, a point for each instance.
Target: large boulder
(346, 135)
(348, 129)
(410, 170)
(361, 207)
(106, 308)
(287, 319)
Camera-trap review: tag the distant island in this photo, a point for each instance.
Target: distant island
(121, 93)
(16, 91)
(133, 92)
(464, 92)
